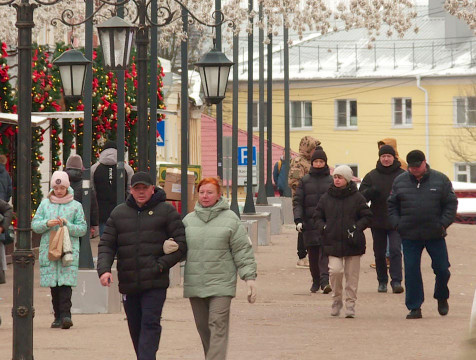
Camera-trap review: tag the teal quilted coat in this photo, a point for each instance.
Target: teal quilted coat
(53, 273)
(218, 247)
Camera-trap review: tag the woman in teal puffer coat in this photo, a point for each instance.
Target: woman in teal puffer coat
(218, 246)
(59, 207)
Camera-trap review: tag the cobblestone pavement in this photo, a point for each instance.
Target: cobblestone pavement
(286, 322)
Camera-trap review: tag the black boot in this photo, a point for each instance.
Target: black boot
(56, 323)
(2, 277)
(65, 306)
(314, 287)
(55, 298)
(66, 322)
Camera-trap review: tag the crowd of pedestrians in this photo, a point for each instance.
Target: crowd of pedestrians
(407, 209)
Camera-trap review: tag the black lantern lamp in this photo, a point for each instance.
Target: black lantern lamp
(214, 69)
(116, 36)
(72, 66)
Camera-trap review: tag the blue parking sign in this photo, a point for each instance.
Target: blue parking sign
(243, 155)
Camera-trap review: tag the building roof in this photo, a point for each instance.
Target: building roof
(349, 54)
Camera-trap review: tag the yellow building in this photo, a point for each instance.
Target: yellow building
(420, 90)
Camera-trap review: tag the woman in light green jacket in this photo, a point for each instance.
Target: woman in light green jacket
(218, 247)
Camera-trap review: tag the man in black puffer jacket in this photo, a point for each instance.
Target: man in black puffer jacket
(376, 187)
(421, 206)
(138, 232)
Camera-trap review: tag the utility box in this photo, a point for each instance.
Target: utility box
(173, 185)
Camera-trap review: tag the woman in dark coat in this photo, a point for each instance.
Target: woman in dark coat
(310, 189)
(342, 215)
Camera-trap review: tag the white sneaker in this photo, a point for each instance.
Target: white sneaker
(350, 313)
(303, 263)
(336, 307)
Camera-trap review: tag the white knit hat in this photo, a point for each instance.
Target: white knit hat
(59, 178)
(344, 171)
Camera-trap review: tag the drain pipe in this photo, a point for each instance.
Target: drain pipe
(427, 118)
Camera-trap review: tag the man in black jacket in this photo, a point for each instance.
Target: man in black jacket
(137, 231)
(376, 187)
(104, 181)
(421, 206)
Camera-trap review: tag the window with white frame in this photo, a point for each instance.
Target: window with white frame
(256, 115)
(346, 113)
(465, 172)
(301, 114)
(402, 111)
(465, 110)
(354, 167)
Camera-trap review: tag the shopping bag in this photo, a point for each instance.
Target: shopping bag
(56, 244)
(67, 258)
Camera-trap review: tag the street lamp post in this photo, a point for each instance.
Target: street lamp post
(269, 116)
(23, 258)
(262, 198)
(249, 207)
(287, 153)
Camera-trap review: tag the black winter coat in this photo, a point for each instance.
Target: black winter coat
(137, 236)
(105, 183)
(340, 210)
(76, 179)
(422, 210)
(376, 187)
(310, 189)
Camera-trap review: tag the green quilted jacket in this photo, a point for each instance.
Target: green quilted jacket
(218, 246)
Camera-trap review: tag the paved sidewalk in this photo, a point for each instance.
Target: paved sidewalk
(286, 322)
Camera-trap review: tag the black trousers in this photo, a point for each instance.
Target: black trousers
(301, 249)
(144, 311)
(61, 299)
(380, 248)
(318, 265)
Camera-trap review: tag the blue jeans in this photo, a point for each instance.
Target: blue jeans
(143, 312)
(101, 228)
(412, 250)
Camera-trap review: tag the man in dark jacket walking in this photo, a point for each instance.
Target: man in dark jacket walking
(137, 232)
(421, 206)
(104, 181)
(376, 187)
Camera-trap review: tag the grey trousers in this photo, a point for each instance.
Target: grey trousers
(212, 318)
